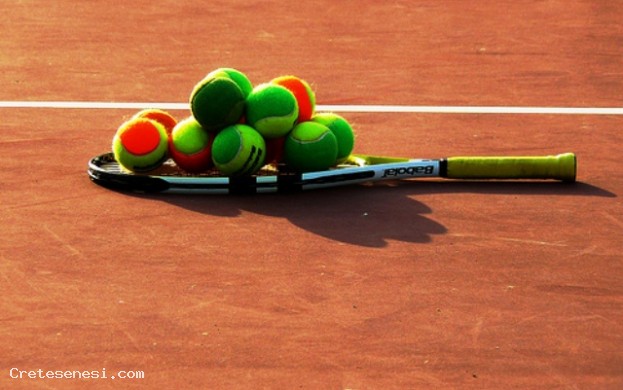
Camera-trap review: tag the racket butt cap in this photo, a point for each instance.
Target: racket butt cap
(568, 167)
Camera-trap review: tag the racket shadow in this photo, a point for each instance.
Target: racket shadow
(368, 217)
(548, 188)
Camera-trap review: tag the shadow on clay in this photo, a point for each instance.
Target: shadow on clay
(509, 187)
(360, 216)
(368, 215)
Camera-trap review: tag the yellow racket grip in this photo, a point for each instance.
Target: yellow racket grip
(560, 167)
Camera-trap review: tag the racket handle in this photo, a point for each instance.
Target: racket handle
(559, 167)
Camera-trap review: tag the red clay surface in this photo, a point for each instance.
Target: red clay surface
(401, 285)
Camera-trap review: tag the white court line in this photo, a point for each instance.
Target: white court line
(335, 108)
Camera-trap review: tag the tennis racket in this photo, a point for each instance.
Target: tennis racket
(105, 171)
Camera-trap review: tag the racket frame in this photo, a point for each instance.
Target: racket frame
(104, 170)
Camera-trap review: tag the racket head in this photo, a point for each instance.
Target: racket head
(104, 170)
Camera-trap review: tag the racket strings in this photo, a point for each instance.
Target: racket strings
(108, 164)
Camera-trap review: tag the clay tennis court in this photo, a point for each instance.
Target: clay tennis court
(400, 285)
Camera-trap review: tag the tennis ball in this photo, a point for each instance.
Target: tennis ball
(190, 146)
(217, 102)
(305, 96)
(140, 145)
(236, 76)
(310, 146)
(160, 116)
(274, 150)
(238, 150)
(342, 130)
(272, 110)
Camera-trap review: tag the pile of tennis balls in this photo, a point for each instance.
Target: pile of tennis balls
(237, 128)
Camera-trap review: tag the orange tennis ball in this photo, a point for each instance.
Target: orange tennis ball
(140, 145)
(190, 146)
(305, 96)
(160, 116)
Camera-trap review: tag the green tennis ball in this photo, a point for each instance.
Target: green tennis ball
(272, 110)
(236, 76)
(305, 96)
(140, 145)
(217, 102)
(238, 150)
(310, 146)
(342, 130)
(190, 146)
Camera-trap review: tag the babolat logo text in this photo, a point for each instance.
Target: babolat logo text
(422, 170)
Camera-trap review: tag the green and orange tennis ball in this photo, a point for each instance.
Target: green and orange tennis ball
(161, 116)
(303, 93)
(275, 150)
(140, 145)
(190, 146)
